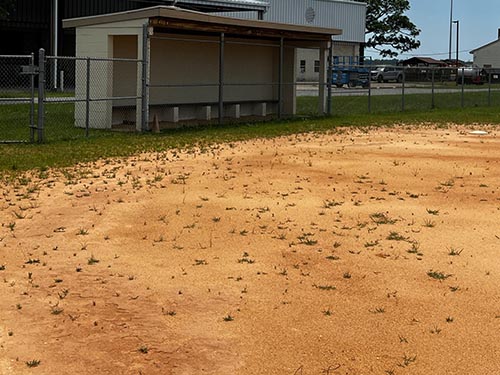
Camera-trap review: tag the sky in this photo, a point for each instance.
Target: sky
(479, 24)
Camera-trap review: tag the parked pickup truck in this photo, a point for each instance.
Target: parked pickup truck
(386, 74)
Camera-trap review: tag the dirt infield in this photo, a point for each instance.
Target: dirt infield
(354, 252)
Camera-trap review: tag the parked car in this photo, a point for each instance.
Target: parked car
(386, 74)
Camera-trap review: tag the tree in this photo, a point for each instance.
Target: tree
(6, 6)
(388, 29)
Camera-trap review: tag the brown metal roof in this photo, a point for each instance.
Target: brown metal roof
(424, 60)
(175, 18)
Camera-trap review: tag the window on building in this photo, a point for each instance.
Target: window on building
(302, 66)
(316, 66)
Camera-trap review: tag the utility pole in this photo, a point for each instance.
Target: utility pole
(458, 32)
(451, 30)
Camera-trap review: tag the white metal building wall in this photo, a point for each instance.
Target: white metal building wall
(347, 15)
(488, 55)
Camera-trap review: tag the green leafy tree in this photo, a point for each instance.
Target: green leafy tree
(388, 29)
(6, 6)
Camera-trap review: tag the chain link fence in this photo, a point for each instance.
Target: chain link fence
(365, 89)
(66, 97)
(17, 98)
(56, 98)
(88, 94)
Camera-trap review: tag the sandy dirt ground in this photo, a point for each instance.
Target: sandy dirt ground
(371, 251)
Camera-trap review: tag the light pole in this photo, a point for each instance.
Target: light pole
(451, 29)
(458, 31)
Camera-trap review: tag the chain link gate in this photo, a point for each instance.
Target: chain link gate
(18, 100)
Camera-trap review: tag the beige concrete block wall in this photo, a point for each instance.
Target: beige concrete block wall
(98, 41)
(187, 61)
(183, 62)
(246, 64)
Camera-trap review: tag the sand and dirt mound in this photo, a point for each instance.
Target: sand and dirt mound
(354, 252)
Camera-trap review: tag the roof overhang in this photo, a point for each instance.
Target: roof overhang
(172, 18)
(485, 46)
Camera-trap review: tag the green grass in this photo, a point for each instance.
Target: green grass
(67, 146)
(381, 104)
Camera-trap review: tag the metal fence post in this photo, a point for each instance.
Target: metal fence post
(87, 99)
(403, 91)
(280, 79)
(463, 84)
(221, 79)
(145, 93)
(32, 101)
(489, 88)
(329, 79)
(41, 94)
(433, 103)
(370, 89)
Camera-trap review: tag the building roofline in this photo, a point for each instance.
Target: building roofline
(167, 12)
(484, 46)
(223, 5)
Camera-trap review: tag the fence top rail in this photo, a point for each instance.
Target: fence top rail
(15, 56)
(81, 58)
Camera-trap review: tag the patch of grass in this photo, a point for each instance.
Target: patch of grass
(454, 251)
(325, 287)
(395, 236)
(56, 310)
(228, 318)
(332, 257)
(408, 360)
(448, 183)
(432, 212)
(245, 259)
(381, 218)
(327, 203)
(429, 223)
(438, 275)
(92, 260)
(82, 232)
(33, 363)
(143, 349)
(63, 149)
(200, 262)
(306, 239)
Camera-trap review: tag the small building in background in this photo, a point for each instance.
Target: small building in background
(455, 63)
(194, 66)
(487, 56)
(423, 62)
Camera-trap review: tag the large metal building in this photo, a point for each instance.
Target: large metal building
(349, 16)
(34, 24)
